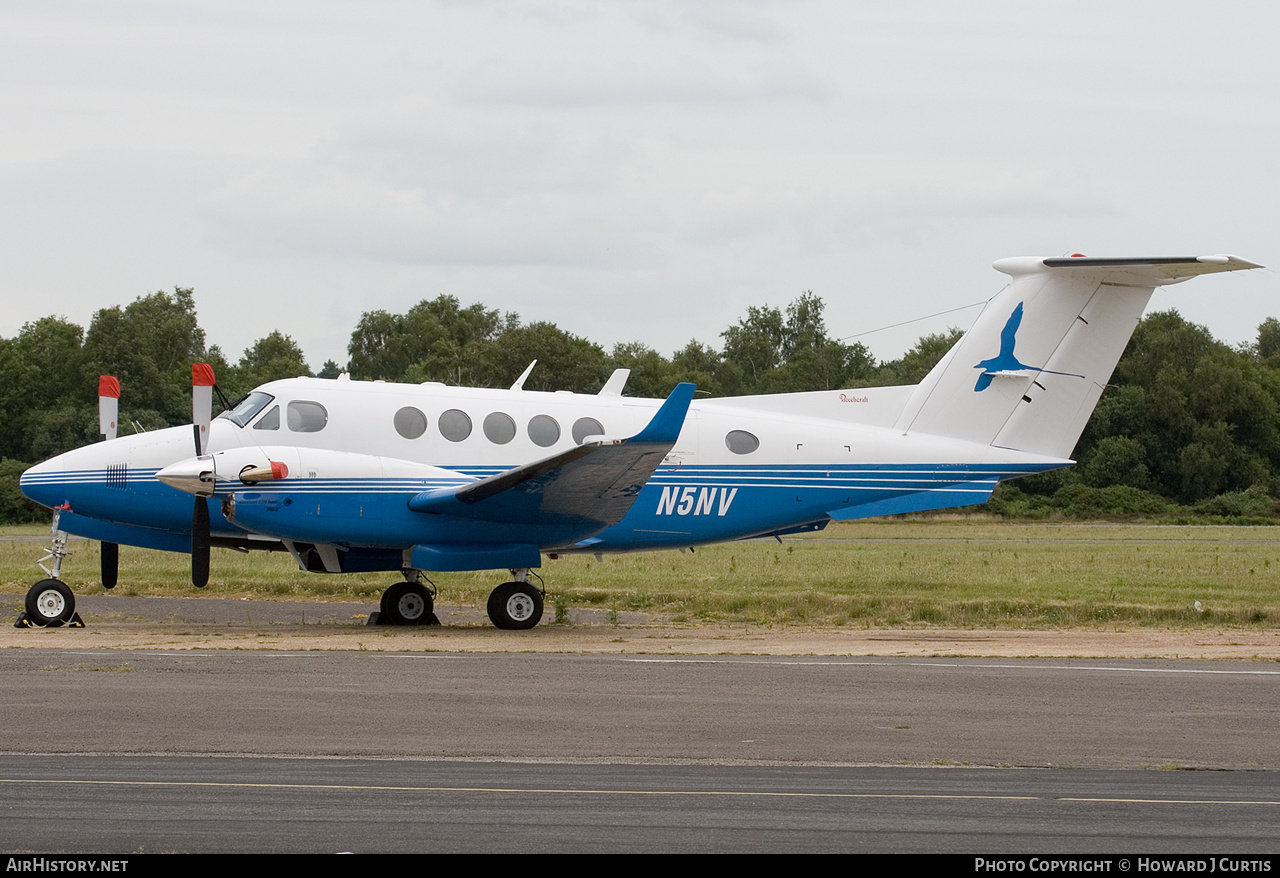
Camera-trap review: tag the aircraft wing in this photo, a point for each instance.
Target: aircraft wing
(593, 485)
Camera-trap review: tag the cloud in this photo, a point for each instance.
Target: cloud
(668, 158)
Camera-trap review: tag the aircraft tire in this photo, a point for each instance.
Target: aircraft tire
(515, 606)
(50, 603)
(407, 603)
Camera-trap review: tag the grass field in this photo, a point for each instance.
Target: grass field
(963, 572)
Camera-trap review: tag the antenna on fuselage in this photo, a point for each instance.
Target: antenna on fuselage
(519, 385)
(617, 381)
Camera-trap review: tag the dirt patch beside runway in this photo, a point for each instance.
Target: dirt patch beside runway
(121, 622)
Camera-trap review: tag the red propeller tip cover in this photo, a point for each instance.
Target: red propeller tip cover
(108, 386)
(202, 375)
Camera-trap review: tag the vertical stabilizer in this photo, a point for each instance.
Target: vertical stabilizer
(1029, 373)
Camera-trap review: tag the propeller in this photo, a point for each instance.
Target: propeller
(108, 416)
(202, 382)
(110, 564)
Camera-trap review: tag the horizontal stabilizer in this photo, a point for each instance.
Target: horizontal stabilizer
(589, 487)
(1153, 270)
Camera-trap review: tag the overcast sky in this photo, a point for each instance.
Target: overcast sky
(631, 171)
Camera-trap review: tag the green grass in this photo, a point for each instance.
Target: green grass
(962, 572)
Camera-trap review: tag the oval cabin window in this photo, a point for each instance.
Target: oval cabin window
(741, 442)
(544, 431)
(455, 425)
(499, 428)
(410, 423)
(584, 427)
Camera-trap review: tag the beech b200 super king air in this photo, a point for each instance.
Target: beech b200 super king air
(353, 476)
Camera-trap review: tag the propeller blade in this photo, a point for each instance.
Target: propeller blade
(108, 418)
(200, 543)
(202, 382)
(108, 406)
(110, 564)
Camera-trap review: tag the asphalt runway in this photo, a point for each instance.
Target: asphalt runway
(122, 805)
(713, 709)
(319, 751)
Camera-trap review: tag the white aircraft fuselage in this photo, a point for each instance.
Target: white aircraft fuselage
(832, 455)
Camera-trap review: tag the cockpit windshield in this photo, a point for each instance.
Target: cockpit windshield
(245, 408)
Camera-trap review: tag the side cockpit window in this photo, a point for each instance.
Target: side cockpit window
(269, 421)
(246, 408)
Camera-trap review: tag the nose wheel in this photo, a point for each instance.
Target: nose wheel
(49, 604)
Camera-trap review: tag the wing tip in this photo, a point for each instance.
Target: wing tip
(666, 424)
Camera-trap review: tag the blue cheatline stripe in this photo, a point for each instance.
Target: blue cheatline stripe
(873, 477)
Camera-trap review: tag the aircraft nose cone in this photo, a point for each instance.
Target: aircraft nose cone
(45, 483)
(194, 475)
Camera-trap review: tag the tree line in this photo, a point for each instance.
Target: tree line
(1188, 422)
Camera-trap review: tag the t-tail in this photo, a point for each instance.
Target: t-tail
(1028, 374)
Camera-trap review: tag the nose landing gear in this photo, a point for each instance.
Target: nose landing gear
(50, 603)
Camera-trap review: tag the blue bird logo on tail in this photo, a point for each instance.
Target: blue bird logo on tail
(1005, 361)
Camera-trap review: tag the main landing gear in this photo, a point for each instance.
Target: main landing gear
(513, 606)
(406, 603)
(516, 606)
(50, 603)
